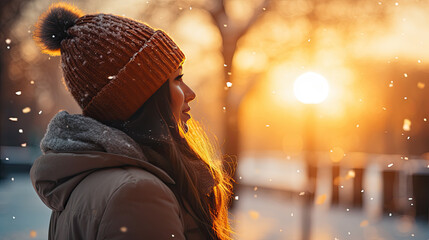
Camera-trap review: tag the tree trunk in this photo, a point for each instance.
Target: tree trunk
(231, 144)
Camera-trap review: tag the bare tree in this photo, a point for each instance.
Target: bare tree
(230, 36)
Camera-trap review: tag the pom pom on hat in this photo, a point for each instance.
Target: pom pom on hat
(51, 28)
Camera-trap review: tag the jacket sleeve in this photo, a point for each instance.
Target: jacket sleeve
(146, 209)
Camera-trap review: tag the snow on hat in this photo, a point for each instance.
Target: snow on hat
(111, 64)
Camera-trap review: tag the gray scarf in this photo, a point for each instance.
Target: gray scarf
(74, 132)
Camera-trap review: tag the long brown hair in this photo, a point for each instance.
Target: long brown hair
(154, 128)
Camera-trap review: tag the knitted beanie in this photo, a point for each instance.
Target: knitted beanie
(111, 64)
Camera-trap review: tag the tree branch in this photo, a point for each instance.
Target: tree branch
(218, 14)
(254, 18)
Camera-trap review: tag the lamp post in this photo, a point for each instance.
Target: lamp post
(310, 88)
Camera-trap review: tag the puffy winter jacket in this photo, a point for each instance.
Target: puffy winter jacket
(99, 185)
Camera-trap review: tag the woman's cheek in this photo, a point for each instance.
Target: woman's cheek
(177, 101)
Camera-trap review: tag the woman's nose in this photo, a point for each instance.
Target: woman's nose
(190, 95)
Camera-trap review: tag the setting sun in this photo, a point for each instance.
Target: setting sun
(311, 88)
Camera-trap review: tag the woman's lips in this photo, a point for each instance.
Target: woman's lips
(187, 115)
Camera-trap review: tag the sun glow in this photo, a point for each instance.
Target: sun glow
(311, 88)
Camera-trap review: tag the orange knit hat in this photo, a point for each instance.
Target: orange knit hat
(111, 64)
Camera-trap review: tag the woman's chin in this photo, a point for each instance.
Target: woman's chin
(185, 119)
(185, 126)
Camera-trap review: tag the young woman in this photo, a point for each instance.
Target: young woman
(134, 165)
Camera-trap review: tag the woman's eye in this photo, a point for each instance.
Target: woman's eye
(179, 78)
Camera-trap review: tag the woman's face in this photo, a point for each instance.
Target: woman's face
(181, 94)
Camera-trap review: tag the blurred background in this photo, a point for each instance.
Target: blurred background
(354, 166)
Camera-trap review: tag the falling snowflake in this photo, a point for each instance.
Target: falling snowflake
(13, 119)
(33, 234)
(351, 174)
(364, 223)
(390, 165)
(26, 110)
(8, 41)
(18, 93)
(321, 199)
(254, 214)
